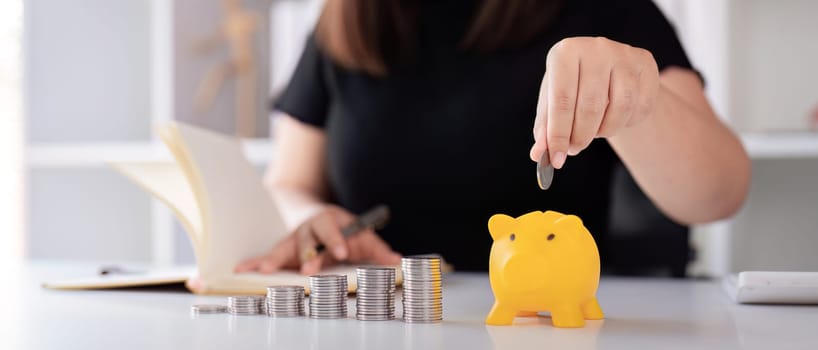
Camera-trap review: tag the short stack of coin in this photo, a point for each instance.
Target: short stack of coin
(375, 296)
(200, 309)
(328, 296)
(285, 301)
(245, 305)
(422, 289)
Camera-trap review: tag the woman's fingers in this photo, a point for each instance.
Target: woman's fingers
(592, 101)
(359, 246)
(306, 242)
(368, 247)
(541, 122)
(563, 76)
(328, 231)
(299, 249)
(323, 260)
(364, 247)
(623, 99)
(324, 229)
(281, 256)
(648, 85)
(249, 264)
(312, 266)
(593, 87)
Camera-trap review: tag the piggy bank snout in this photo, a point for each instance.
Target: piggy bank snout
(524, 272)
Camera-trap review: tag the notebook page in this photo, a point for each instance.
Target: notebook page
(242, 220)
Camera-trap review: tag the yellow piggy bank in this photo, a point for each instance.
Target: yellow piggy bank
(543, 261)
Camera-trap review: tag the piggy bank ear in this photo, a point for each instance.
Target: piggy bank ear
(569, 221)
(500, 224)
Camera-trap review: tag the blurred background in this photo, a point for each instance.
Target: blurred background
(84, 81)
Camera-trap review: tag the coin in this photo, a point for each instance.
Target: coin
(422, 292)
(208, 309)
(246, 305)
(545, 172)
(328, 296)
(375, 295)
(285, 301)
(423, 320)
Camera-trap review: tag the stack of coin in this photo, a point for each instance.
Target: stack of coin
(422, 289)
(285, 301)
(245, 305)
(328, 296)
(375, 296)
(199, 309)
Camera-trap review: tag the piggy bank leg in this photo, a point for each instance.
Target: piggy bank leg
(527, 314)
(567, 316)
(500, 315)
(592, 311)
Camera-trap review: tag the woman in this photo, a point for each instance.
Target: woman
(428, 107)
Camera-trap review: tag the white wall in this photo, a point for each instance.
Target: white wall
(773, 78)
(774, 72)
(703, 29)
(11, 134)
(87, 70)
(778, 228)
(291, 21)
(758, 58)
(87, 78)
(98, 75)
(87, 214)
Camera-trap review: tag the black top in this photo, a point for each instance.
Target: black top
(444, 141)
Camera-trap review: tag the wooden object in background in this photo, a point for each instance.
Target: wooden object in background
(236, 32)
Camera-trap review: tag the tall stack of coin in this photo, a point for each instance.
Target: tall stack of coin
(245, 305)
(375, 296)
(285, 301)
(328, 296)
(422, 289)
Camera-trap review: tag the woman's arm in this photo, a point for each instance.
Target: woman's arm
(298, 184)
(661, 126)
(296, 180)
(691, 165)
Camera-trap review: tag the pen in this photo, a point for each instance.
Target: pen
(374, 219)
(116, 270)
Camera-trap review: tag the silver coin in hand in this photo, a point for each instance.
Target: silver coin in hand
(545, 172)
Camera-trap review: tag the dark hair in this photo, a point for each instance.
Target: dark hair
(366, 34)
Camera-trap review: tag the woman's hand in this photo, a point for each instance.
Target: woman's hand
(593, 87)
(324, 228)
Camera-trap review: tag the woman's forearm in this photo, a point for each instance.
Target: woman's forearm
(294, 204)
(295, 179)
(689, 163)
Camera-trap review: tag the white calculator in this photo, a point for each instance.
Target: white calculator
(772, 287)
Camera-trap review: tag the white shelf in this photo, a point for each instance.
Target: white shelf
(78, 155)
(259, 151)
(781, 145)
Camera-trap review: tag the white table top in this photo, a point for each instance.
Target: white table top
(641, 314)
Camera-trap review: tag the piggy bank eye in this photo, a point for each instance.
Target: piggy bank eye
(512, 237)
(551, 236)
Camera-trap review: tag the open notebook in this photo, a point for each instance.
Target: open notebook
(218, 196)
